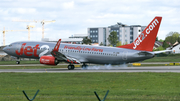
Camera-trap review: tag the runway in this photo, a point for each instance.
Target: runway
(97, 69)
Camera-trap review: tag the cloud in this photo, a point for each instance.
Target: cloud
(75, 16)
(24, 10)
(68, 5)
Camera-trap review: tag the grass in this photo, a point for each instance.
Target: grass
(32, 67)
(169, 58)
(22, 62)
(81, 86)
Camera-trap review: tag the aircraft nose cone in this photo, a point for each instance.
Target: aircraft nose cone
(5, 49)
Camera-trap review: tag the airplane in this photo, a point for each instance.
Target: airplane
(50, 53)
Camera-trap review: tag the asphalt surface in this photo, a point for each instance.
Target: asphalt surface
(99, 69)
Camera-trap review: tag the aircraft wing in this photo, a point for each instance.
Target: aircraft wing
(60, 56)
(163, 51)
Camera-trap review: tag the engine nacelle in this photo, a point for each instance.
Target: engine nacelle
(48, 60)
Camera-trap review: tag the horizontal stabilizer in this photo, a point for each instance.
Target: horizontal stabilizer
(145, 53)
(163, 51)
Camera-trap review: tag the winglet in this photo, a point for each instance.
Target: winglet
(145, 41)
(57, 46)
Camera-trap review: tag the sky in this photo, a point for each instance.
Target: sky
(75, 16)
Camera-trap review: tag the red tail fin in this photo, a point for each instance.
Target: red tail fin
(57, 45)
(145, 41)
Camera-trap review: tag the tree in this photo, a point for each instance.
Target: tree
(156, 38)
(159, 49)
(165, 44)
(126, 43)
(86, 40)
(101, 44)
(172, 37)
(118, 44)
(113, 39)
(160, 40)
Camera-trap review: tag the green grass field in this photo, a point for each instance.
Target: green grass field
(81, 86)
(169, 58)
(22, 62)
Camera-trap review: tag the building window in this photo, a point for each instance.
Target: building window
(96, 35)
(96, 31)
(117, 30)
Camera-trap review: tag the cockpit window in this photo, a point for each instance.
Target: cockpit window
(10, 45)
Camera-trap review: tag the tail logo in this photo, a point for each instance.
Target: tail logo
(154, 23)
(142, 36)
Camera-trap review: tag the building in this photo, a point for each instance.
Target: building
(157, 44)
(175, 48)
(76, 39)
(126, 34)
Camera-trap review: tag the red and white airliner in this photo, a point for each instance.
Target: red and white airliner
(52, 53)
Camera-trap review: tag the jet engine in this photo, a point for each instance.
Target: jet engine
(48, 60)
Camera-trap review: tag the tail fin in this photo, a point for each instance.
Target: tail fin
(145, 41)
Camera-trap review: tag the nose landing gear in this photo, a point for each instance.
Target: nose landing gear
(18, 60)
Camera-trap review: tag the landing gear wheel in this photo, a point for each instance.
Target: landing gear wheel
(84, 66)
(70, 67)
(17, 62)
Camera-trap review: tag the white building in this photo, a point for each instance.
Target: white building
(126, 34)
(76, 39)
(176, 49)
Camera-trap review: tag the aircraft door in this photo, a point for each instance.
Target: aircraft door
(17, 46)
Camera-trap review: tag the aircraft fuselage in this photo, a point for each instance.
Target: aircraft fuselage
(82, 53)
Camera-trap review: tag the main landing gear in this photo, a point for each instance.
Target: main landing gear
(70, 67)
(84, 66)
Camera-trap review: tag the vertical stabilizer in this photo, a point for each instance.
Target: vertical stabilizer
(145, 41)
